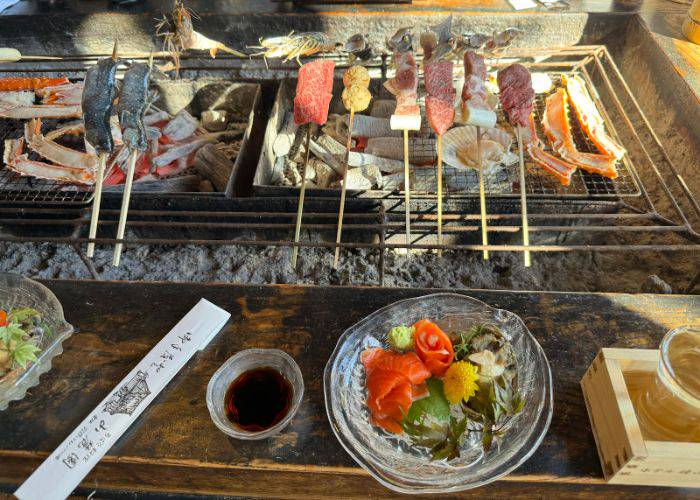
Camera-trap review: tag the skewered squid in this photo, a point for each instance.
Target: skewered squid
(293, 46)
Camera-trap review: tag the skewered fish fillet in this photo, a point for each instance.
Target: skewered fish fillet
(589, 117)
(556, 126)
(132, 106)
(55, 152)
(21, 164)
(99, 92)
(39, 111)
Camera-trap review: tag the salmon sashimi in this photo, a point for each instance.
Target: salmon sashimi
(590, 119)
(559, 168)
(387, 423)
(407, 364)
(386, 390)
(556, 126)
(393, 382)
(389, 396)
(27, 83)
(433, 347)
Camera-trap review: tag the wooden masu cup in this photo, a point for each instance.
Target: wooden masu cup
(625, 455)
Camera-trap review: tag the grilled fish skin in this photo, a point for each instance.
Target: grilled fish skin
(133, 104)
(99, 92)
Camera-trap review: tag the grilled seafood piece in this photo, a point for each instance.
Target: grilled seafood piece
(20, 163)
(39, 111)
(64, 95)
(438, 43)
(132, 106)
(498, 40)
(401, 41)
(99, 92)
(559, 168)
(17, 98)
(359, 48)
(293, 46)
(556, 126)
(589, 117)
(28, 83)
(179, 35)
(55, 152)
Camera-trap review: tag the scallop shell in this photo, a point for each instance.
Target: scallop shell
(495, 148)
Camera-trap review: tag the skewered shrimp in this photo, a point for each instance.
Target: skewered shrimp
(293, 46)
(179, 35)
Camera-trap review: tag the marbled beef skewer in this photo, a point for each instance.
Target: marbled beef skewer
(99, 92)
(133, 103)
(516, 95)
(313, 96)
(440, 111)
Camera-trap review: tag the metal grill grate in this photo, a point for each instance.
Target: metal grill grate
(573, 221)
(18, 189)
(538, 182)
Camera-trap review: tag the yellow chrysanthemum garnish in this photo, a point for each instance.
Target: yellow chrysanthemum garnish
(460, 382)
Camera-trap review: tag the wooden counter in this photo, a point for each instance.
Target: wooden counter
(175, 448)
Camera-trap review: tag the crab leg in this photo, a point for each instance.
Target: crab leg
(53, 151)
(38, 111)
(21, 164)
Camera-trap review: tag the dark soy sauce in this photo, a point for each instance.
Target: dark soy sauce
(258, 399)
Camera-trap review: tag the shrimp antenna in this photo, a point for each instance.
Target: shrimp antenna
(114, 50)
(150, 60)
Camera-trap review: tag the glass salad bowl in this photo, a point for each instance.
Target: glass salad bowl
(391, 458)
(19, 292)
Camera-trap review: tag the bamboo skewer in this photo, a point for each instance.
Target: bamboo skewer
(439, 192)
(341, 210)
(133, 155)
(482, 194)
(523, 197)
(96, 201)
(97, 198)
(407, 188)
(302, 192)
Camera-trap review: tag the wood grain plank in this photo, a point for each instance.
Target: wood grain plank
(119, 322)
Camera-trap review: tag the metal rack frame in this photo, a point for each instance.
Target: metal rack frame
(383, 225)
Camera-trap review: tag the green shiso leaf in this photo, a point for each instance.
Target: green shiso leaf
(434, 406)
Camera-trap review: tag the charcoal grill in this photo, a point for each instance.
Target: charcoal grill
(464, 182)
(243, 99)
(594, 206)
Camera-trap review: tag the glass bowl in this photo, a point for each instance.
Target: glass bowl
(391, 458)
(243, 362)
(17, 291)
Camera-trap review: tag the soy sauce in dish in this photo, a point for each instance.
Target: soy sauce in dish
(258, 399)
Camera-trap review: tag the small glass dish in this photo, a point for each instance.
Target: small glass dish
(244, 361)
(15, 292)
(392, 459)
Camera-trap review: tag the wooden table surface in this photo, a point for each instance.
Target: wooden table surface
(175, 448)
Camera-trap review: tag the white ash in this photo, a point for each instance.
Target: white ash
(369, 177)
(578, 272)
